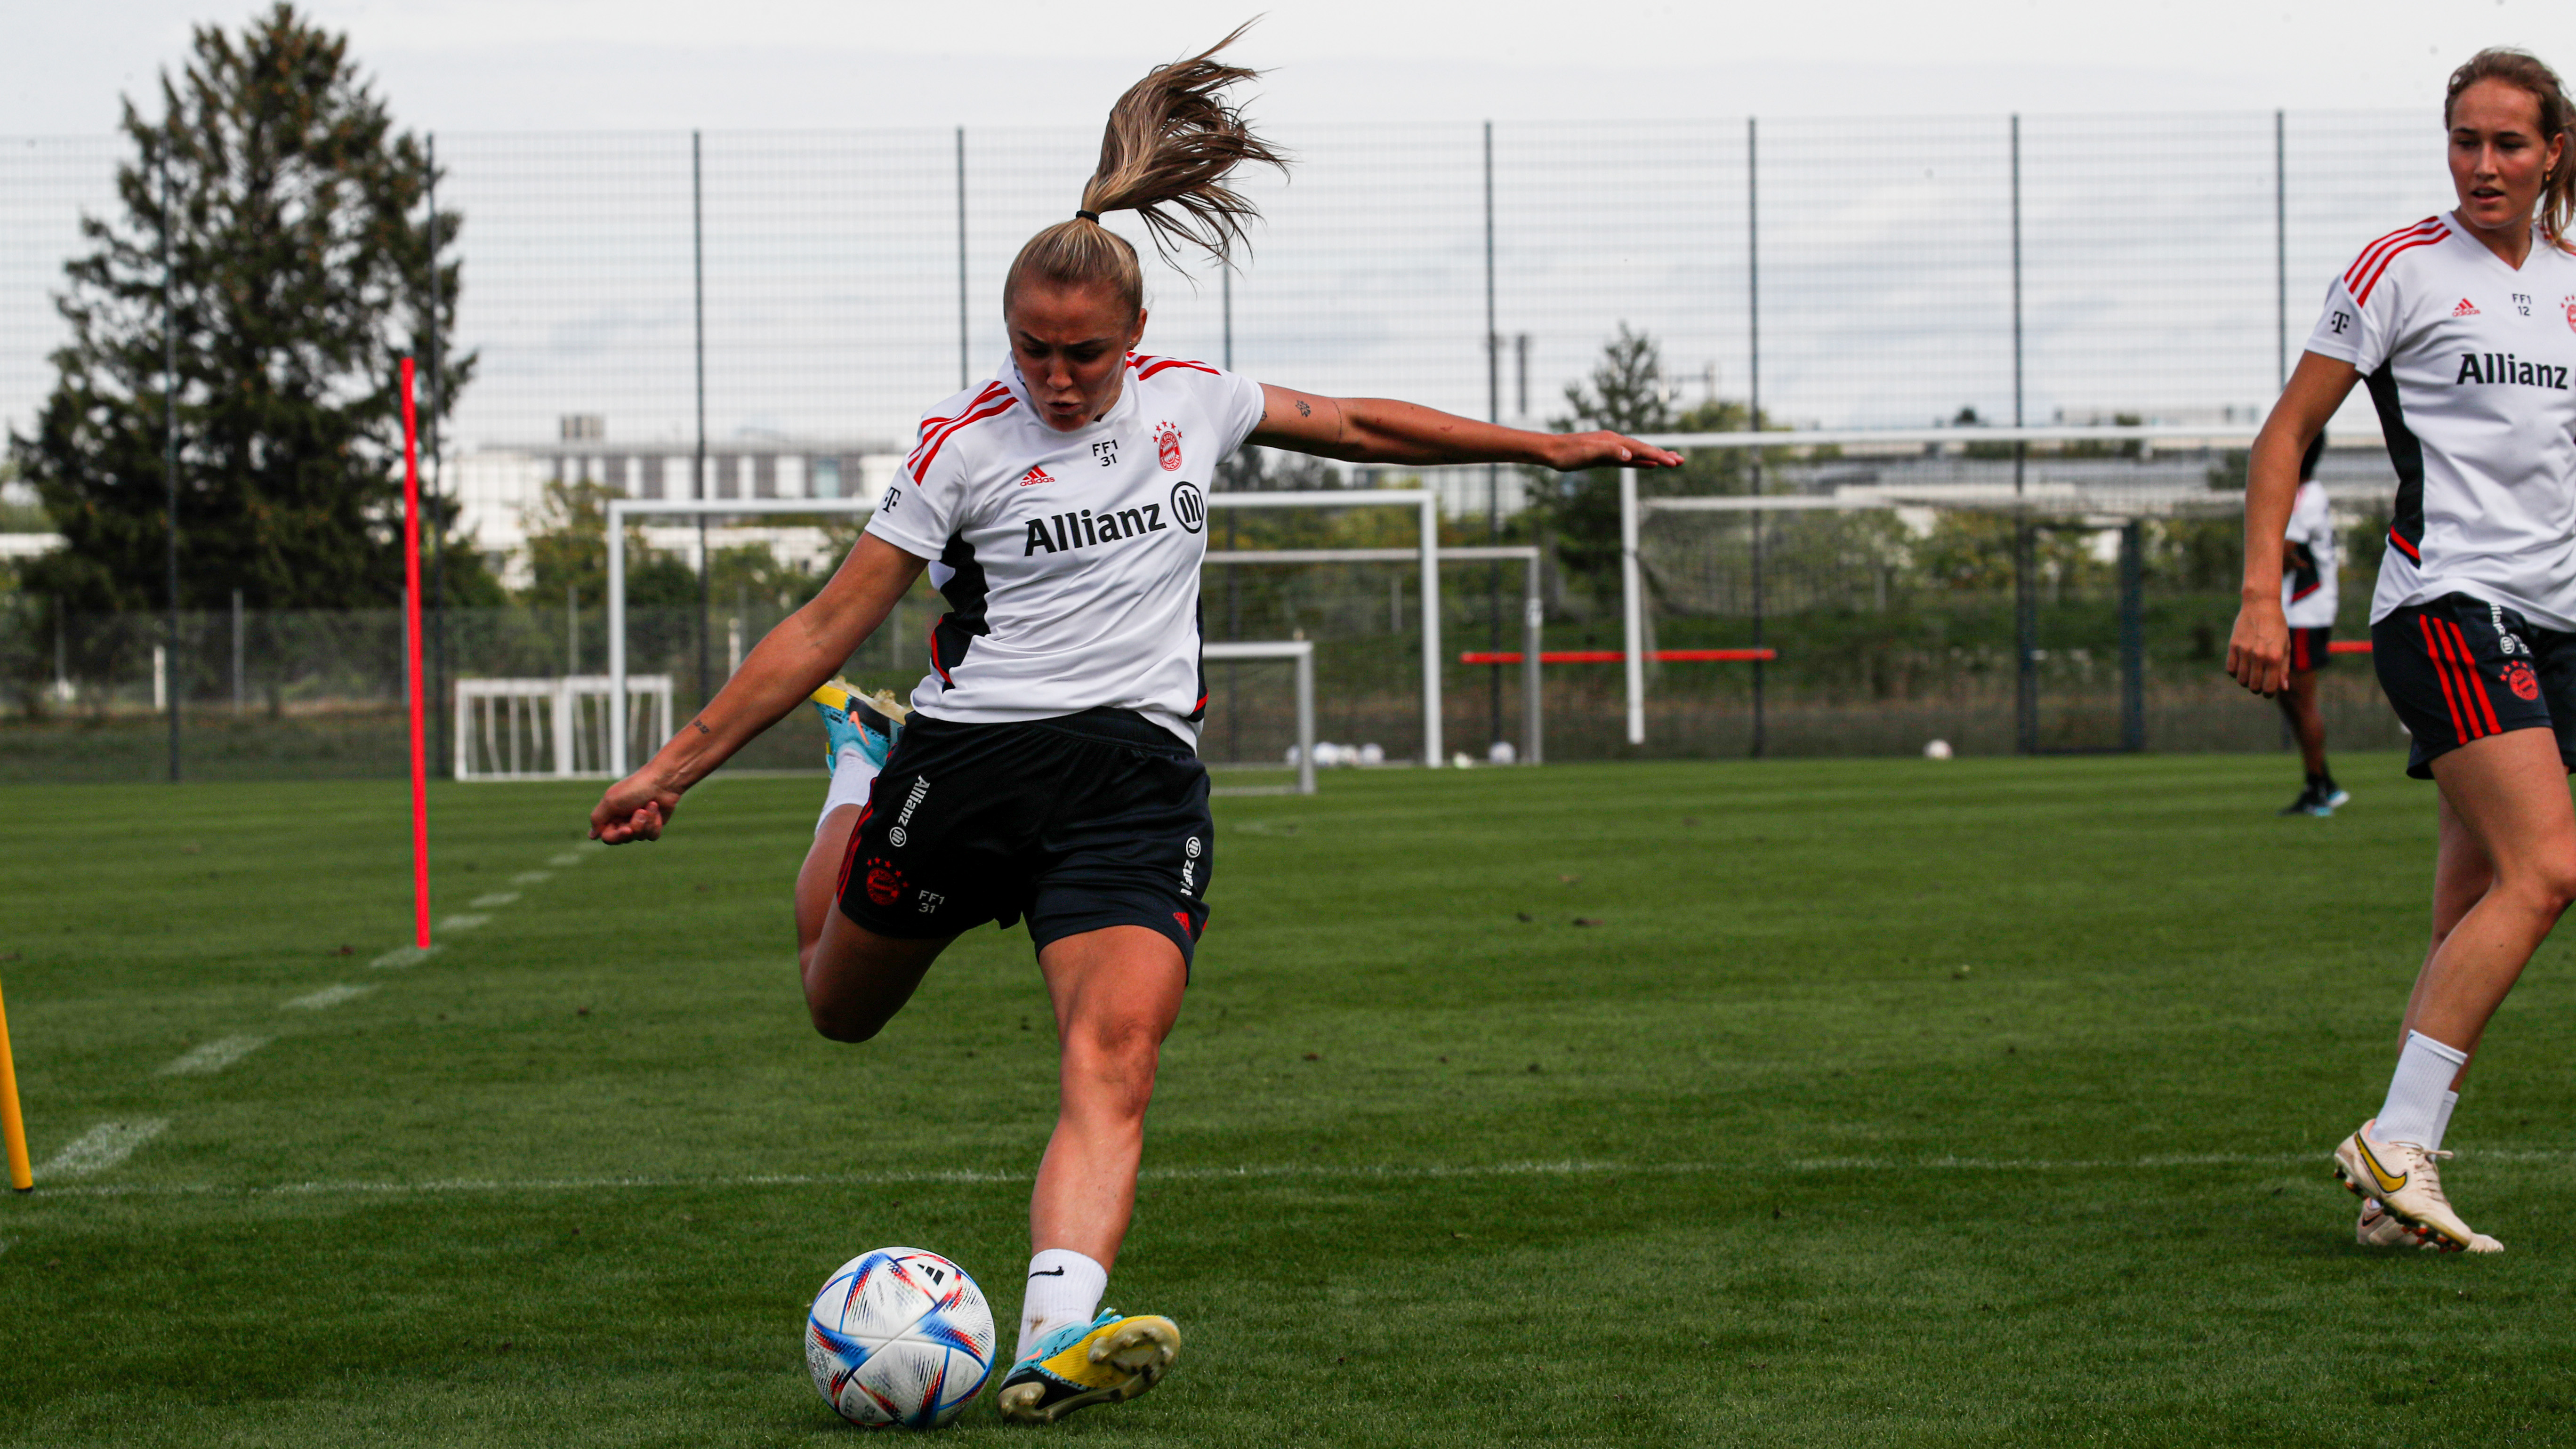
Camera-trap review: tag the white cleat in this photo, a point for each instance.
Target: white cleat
(2375, 1228)
(2400, 1180)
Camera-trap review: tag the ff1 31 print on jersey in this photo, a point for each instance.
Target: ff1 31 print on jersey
(2469, 364)
(1070, 560)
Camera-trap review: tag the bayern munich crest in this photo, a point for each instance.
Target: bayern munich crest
(1167, 446)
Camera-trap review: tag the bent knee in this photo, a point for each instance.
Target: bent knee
(845, 1026)
(2544, 885)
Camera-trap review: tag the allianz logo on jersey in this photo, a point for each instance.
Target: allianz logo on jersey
(2505, 369)
(1083, 528)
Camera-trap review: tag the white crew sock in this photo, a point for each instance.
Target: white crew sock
(2413, 1111)
(1064, 1287)
(852, 774)
(2442, 1121)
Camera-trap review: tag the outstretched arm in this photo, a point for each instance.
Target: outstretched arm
(1381, 430)
(789, 664)
(2258, 651)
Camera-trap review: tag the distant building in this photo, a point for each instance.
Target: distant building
(498, 488)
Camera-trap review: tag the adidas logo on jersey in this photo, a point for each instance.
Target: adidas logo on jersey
(1034, 477)
(2466, 308)
(1065, 532)
(2504, 368)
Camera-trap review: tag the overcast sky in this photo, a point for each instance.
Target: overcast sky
(489, 65)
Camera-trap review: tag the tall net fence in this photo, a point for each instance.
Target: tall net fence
(784, 307)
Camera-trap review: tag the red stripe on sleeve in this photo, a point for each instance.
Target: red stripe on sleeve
(2360, 264)
(932, 456)
(2362, 297)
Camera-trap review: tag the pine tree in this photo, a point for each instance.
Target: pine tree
(298, 234)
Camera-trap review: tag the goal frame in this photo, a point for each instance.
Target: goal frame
(1632, 508)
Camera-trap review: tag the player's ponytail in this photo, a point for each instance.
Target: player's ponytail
(1171, 142)
(2526, 72)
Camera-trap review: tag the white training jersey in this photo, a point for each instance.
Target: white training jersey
(2470, 363)
(1070, 561)
(2308, 592)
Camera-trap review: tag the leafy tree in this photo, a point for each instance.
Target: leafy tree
(1626, 393)
(568, 549)
(300, 271)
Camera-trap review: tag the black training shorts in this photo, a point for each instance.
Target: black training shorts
(1080, 822)
(2460, 669)
(2309, 649)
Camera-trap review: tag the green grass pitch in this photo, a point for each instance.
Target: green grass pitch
(1884, 1102)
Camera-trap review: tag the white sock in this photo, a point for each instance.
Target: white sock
(2413, 1111)
(1064, 1287)
(852, 774)
(2442, 1121)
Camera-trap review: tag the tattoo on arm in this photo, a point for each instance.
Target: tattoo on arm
(1304, 411)
(700, 726)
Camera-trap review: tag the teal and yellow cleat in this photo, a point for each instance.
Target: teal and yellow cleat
(869, 721)
(1079, 1365)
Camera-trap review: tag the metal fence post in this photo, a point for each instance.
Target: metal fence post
(964, 365)
(1753, 402)
(237, 651)
(1493, 472)
(437, 488)
(698, 479)
(2025, 639)
(2281, 248)
(170, 429)
(2133, 636)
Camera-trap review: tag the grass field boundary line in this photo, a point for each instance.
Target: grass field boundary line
(328, 996)
(1383, 1172)
(402, 957)
(208, 1058)
(100, 1148)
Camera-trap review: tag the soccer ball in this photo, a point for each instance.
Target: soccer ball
(1937, 750)
(899, 1338)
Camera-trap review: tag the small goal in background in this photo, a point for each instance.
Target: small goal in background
(554, 729)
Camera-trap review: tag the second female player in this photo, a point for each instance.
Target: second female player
(2463, 328)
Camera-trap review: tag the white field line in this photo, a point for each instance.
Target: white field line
(101, 1148)
(569, 857)
(402, 956)
(496, 898)
(462, 923)
(327, 996)
(214, 1056)
(1286, 1172)
(532, 877)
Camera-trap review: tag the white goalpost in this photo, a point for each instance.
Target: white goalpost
(1632, 508)
(1427, 553)
(539, 729)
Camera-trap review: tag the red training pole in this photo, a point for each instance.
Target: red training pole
(411, 665)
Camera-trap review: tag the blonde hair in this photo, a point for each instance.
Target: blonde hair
(1172, 140)
(2525, 72)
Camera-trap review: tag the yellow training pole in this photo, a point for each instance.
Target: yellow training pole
(13, 1132)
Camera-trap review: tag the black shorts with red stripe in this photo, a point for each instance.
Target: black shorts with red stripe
(1080, 822)
(2311, 649)
(2460, 669)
